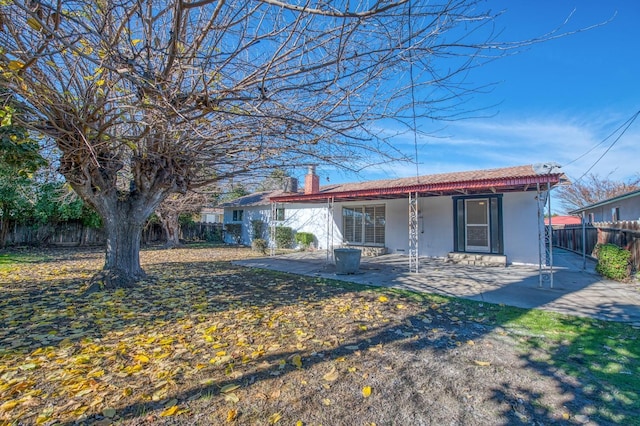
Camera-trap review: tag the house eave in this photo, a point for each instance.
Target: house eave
(513, 184)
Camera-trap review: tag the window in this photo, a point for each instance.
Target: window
(364, 225)
(615, 214)
(238, 215)
(478, 224)
(280, 214)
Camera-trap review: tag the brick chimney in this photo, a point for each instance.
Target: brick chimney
(311, 181)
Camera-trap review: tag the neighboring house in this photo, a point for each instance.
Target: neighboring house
(496, 211)
(212, 215)
(622, 207)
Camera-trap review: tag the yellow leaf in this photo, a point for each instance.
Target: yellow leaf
(232, 415)
(169, 411)
(141, 358)
(228, 388)
(9, 405)
(135, 41)
(366, 391)
(33, 23)
(351, 369)
(15, 65)
(100, 82)
(400, 306)
(470, 342)
(297, 361)
(274, 418)
(299, 423)
(326, 401)
(383, 299)
(482, 363)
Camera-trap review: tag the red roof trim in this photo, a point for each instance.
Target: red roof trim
(433, 187)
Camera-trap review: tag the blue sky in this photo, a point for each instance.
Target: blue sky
(553, 101)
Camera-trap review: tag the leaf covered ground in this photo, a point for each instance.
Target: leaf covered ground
(204, 342)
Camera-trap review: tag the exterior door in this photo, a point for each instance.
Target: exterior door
(477, 225)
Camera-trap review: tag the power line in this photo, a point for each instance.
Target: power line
(625, 126)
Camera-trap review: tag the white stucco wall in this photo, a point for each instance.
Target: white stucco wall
(520, 225)
(299, 217)
(435, 222)
(436, 226)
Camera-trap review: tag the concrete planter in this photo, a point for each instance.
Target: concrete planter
(347, 260)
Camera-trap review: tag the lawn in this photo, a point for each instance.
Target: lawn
(204, 342)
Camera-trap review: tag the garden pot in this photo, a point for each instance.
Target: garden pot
(347, 260)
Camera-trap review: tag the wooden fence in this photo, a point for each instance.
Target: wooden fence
(625, 234)
(76, 234)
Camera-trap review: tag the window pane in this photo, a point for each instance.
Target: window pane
(477, 212)
(460, 226)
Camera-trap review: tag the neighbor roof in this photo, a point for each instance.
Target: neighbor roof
(256, 199)
(607, 201)
(507, 179)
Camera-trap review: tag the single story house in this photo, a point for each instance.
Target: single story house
(494, 212)
(622, 207)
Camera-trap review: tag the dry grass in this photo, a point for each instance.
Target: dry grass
(204, 342)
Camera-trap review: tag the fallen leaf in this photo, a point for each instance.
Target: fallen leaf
(232, 415)
(274, 418)
(331, 376)
(141, 358)
(231, 397)
(482, 363)
(228, 388)
(326, 401)
(366, 391)
(383, 299)
(297, 361)
(109, 413)
(169, 411)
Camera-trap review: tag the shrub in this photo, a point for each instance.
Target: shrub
(235, 230)
(284, 237)
(613, 262)
(257, 228)
(259, 245)
(305, 239)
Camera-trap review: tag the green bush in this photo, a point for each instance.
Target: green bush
(284, 237)
(613, 262)
(305, 239)
(235, 230)
(259, 245)
(257, 228)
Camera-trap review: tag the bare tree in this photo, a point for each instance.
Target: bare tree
(170, 210)
(592, 189)
(146, 98)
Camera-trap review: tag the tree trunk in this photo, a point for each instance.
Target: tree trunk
(122, 261)
(170, 227)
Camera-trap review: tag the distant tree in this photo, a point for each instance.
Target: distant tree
(148, 98)
(19, 160)
(172, 208)
(592, 189)
(275, 180)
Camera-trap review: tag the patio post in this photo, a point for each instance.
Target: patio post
(413, 232)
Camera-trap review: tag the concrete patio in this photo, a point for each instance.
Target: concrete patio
(576, 291)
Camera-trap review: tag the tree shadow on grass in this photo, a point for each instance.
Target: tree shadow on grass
(451, 343)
